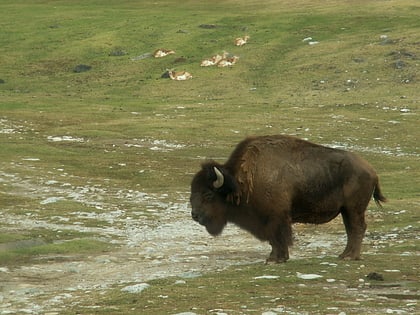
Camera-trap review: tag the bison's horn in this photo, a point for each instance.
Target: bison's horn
(220, 179)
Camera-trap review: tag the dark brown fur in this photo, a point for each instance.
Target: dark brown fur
(271, 182)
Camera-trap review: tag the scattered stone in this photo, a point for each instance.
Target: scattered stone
(326, 262)
(208, 26)
(402, 54)
(141, 57)
(308, 276)
(387, 41)
(51, 200)
(136, 288)
(408, 54)
(81, 68)
(399, 64)
(375, 276)
(117, 52)
(310, 41)
(266, 277)
(395, 311)
(64, 138)
(190, 275)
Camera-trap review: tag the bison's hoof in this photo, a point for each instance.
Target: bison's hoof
(272, 261)
(349, 257)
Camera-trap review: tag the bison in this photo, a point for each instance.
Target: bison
(270, 182)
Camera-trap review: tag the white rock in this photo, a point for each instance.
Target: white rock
(308, 276)
(65, 138)
(51, 200)
(266, 277)
(136, 288)
(392, 311)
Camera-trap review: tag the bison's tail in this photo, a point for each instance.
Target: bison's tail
(377, 195)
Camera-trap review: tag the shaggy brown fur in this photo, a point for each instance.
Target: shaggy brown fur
(270, 182)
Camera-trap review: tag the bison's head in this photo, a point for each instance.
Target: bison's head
(210, 189)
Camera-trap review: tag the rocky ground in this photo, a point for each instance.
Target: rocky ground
(174, 247)
(156, 240)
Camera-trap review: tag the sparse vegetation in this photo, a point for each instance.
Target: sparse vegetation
(252, 289)
(90, 158)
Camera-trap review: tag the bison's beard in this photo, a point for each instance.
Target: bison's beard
(214, 227)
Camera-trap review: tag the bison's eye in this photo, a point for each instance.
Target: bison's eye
(208, 196)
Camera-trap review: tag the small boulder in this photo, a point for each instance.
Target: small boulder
(81, 68)
(375, 276)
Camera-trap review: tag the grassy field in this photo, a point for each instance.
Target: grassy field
(80, 146)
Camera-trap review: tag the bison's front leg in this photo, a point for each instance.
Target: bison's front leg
(280, 240)
(279, 254)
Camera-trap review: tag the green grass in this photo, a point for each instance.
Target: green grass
(44, 244)
(47, 252)
(344, 90)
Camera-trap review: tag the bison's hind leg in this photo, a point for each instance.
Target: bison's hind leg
(354, 222)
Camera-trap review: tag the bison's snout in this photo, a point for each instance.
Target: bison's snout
(198, 217)
(195, 216)
(213, 226)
